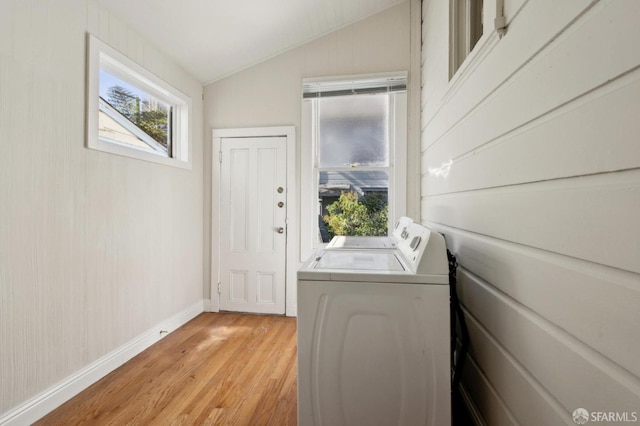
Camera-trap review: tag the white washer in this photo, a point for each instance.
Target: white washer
(373, 335)
(391, 242)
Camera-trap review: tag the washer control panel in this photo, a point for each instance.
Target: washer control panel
(423, 249)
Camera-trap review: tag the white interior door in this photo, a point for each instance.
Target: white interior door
(253, 213)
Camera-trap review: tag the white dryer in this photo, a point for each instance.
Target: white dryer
(390, 242)
(373, 335)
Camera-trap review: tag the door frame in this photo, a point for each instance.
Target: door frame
(288, 132)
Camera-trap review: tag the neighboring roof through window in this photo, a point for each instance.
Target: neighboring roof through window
(115, 127)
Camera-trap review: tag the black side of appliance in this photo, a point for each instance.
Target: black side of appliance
(458, 356)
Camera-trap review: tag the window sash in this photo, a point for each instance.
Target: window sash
(346, 138)
(389, 168)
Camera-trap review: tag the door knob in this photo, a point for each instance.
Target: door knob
(281, 204)
(280, 190)
(280, 230)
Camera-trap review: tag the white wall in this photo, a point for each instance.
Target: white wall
(95, 249)
(541, 204)
(270, 93)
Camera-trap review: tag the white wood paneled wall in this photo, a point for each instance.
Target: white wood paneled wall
(95, 249)
(530, 167)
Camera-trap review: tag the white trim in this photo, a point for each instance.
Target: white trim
(206, 305)
(251, 132)
(45, 402)
(462, 17)
(399, 148)
(474, 57)
(356, 77)
(308, 227)
(292, 211)
(412, 176)
(99, 53)
(483, 47)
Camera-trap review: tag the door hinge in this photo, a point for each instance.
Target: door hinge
(219, 286)
(220, 156)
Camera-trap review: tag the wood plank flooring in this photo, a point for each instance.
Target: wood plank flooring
(219, 369)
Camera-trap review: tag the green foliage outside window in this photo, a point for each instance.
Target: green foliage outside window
(351, 215)
(152, 121)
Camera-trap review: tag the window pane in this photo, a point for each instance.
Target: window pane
(144, 116)
(353, 131)
(353, 203)
(114, 130)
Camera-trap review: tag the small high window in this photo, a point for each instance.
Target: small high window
(132, 112)
(466, 28)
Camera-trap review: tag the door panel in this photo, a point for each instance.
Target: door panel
(253, 229)
(266, 203)
(239, 198)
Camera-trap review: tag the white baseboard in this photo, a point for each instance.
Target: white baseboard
(206, 304)
(292, 311)
(40, 405)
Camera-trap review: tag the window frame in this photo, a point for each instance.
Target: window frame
(464, 31)
(397, 133)
(102, 56)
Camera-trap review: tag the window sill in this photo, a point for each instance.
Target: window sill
(138, 154)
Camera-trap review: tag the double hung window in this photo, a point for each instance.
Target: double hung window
(356, 126)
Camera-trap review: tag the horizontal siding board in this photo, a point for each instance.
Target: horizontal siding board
(493, 410)
(527, 400)
(563, 216)
(513, 7)
(579, 139)
(572, 372)
(541, 201)
(552, 78)
(565, 291)
(543, 18)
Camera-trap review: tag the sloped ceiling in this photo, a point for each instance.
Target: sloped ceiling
(215, 38)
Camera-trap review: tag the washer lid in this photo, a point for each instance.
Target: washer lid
(359, 260)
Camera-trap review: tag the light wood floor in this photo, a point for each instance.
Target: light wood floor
(219, 369)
